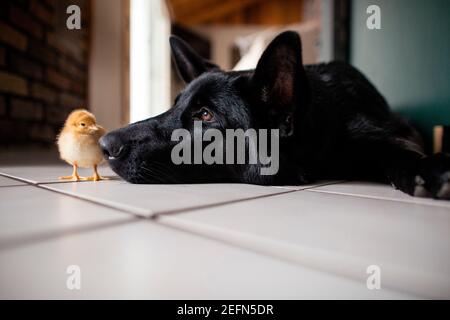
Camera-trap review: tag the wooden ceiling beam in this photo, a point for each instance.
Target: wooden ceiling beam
(210, 11)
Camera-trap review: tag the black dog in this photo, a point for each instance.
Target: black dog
(333, 124)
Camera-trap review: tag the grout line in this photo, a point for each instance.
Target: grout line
(313, 186)
(218, 204)
(135, 211)
(149, 214)
(229, 202)
(27, 182)
(14, 185)
(417, 202)
(10, 243)
(87, 199)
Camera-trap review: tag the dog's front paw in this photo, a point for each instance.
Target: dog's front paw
(302, 177)
(433, 179)
(295, 177)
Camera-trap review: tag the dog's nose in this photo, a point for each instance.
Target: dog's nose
(112, 146)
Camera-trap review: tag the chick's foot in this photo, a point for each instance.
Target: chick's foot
(71, 178)
(95, 176)
(74, 176)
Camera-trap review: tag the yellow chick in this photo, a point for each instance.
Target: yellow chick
(78, 144)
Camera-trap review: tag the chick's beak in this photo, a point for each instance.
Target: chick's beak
(93, 128)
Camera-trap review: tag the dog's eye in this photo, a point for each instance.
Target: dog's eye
(204, 115)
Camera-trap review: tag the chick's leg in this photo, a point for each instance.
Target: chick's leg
(96, 176)
(74, 176)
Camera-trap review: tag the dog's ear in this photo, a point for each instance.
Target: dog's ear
(280, 80)
(189, 64)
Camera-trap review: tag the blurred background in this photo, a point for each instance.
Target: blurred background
(118, 64)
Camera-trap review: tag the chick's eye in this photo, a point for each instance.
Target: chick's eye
(83, 124)
(204, 115)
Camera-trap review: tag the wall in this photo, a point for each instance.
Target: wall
(149, 59)
(105, 64)
(408, 59)
(305, 19)
(43, 69)
(223, 38)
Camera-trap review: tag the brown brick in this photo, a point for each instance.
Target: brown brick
(26, 109)
(74, 49)
(57, 79)
(13, 37)
(43, 92)
(26, 67)
(77, 87)
(56, 115)
(71, 101)
(10, 132)
(51, 3)
(2, 106)
(13, 131)
(71, 68)
(58, 42)
(43, 53)
(25, 22)
(42, 133)
(2, 56)
(41, 12)
(13, 84)
(79, 55)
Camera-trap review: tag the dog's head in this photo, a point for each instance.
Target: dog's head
(267, 97)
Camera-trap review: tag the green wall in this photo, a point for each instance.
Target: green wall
(409, 58)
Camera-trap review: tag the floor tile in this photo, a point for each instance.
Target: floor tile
(144, 260)
(48, 173)
(28, 214)
(339, 234)
(7, 182)
(377, 191)
(149, 199)
(214, 241)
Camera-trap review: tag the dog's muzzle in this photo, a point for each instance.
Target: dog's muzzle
(112, 146)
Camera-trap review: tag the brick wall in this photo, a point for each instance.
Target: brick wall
(43, 69)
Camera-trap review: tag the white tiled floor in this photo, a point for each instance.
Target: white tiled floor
(49, 173)
(377, 191)
(148, 200)
(216, 241)
(7, 182)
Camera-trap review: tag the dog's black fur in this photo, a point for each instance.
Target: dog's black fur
(333, 124)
